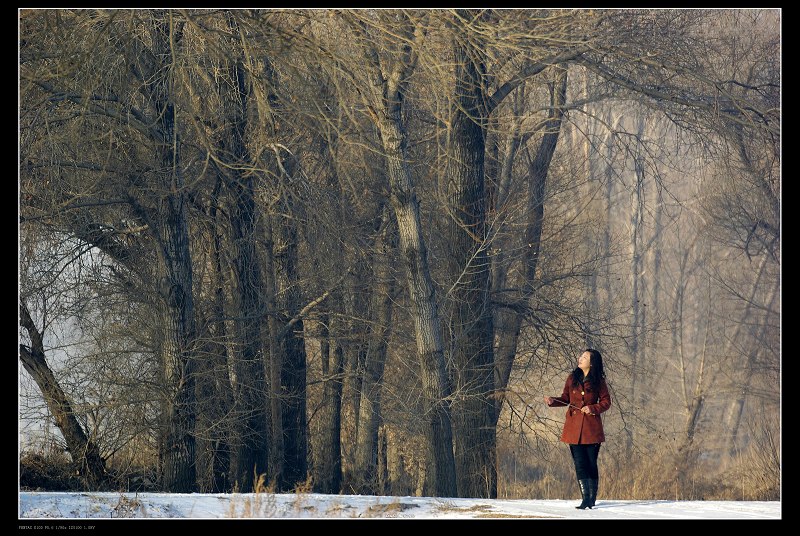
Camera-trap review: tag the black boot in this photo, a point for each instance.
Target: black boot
(593, 482)
(586, 490)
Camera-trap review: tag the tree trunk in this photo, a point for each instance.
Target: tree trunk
(212, 387)
(367, 471)
(355, 305)
(657, 249)
(469, 268)
(737, 403)
(328, 466)
(291, 346)
(441, 475)
(386, 111)
(293, 369)
(178, 360)
(251, 448)
(83, 451)
(287, 357)
(213, 395)
(382, 469)
(608, 174)
(505, 320)
(172, 234)
(589, 170)
(276, 357)
(537, 181)
(694, 402)
(635, 249)
(287, 362)
(250, 454)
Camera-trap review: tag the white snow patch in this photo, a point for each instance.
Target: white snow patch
(52, 505)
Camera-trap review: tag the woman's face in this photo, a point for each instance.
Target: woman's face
(585, 361)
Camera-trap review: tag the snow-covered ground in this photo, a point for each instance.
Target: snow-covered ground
(47, 505)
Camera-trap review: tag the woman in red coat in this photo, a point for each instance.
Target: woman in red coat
(586, 394)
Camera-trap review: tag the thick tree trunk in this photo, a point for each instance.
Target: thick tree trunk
(382, 469)
(83, 451)
(469, 268)
(212, 386)
(213, 395)
(330, 444)
(386, 110)
(367, 472)
(172, 234)
(537, 181)
(178, 445)
(441, 472)
(215, 398)
(251, 448)
(250, 453)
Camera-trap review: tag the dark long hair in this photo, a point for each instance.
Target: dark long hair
(596, 372)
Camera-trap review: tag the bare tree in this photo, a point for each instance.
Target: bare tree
(384, 97)
(83, 450)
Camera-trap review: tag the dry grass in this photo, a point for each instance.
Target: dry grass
(388, 509)
(336, 509)
(485, 509)
(447, 506)
(753, 474)
(757, 470)
(301, 492)
(50, 470)
(260, 504)
(127, 507)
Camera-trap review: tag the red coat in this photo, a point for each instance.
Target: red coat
(580, 428)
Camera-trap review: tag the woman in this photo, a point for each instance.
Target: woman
(586, 395)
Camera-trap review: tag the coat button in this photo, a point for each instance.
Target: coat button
(583, 393)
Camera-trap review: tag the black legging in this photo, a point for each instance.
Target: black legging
(585, 458)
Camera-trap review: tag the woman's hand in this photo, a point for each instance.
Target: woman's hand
(548, 400)
(586, 410)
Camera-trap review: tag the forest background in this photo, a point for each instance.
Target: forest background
(352, 250)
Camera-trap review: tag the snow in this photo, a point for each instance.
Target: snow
(52, 505)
